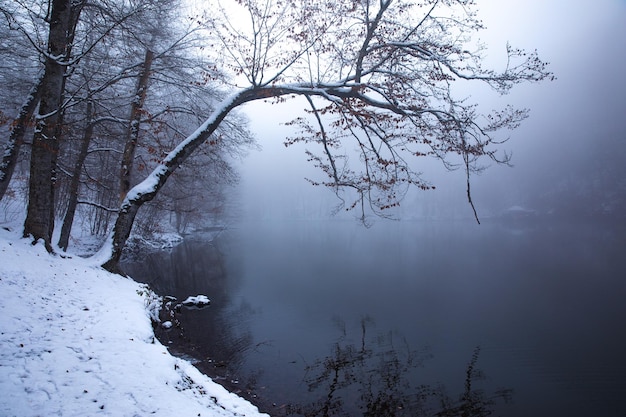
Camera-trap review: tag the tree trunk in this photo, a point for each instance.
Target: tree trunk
(39, 222)
(121, 232)
(12, 150)
(72, 203)
(132, 132)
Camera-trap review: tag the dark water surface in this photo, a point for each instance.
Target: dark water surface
(409, 318)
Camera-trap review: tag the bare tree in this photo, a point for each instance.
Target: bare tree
(377, 73)
(182, 93)
(74, 186)
(40, 213)
(19, 104)
(49, 29)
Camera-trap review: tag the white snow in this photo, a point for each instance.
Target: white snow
(77, 341)
(146, 186)
(197, 300)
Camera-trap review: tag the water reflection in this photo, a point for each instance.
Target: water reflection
(375, 377)
(473, 402)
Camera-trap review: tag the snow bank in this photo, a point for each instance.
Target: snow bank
(78, 341)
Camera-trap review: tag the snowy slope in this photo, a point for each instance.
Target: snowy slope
(77, 341)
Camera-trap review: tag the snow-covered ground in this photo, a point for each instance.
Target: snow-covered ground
(78, 341)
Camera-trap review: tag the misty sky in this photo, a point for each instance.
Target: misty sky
(585, 43)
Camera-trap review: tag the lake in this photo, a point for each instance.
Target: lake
(522, 318)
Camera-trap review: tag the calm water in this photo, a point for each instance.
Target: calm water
(335, 319)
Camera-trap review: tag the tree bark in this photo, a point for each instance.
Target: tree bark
(39, 222)
(72, 203)
(132, 132)
(12, 149)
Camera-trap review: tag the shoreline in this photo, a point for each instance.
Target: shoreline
(176, 342)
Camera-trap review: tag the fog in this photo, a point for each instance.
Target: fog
(571, 147)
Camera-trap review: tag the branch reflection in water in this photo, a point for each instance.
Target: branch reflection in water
(372, 378)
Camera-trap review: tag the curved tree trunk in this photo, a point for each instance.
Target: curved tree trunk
(148, 188)
(12, 149)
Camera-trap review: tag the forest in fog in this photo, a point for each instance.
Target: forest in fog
(136, 84)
